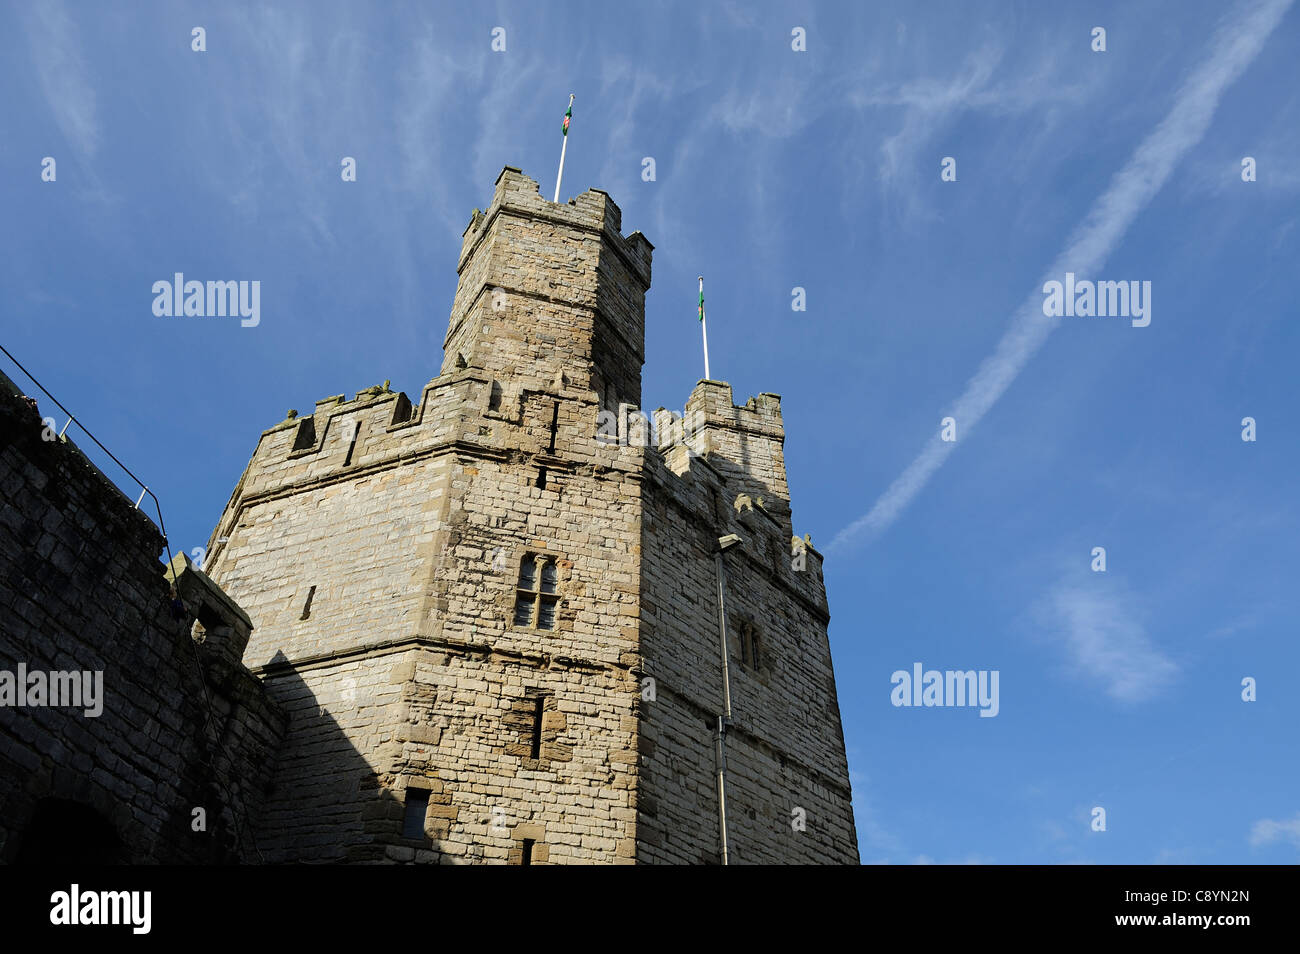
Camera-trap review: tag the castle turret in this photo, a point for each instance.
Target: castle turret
(548, 289)
(465, 603)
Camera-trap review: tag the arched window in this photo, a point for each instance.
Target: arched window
(537, 595)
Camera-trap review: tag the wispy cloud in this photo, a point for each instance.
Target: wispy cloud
(928, 104)
(1266, 831)
(61, 68)
(1220, 176)
(968, 860)
(425, 91)
(1239, 624)
(298, 107)
(872, 833)
(1235, 45)
(1103, 636)
(922, 110)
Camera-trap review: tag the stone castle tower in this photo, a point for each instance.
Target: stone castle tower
(495, 632)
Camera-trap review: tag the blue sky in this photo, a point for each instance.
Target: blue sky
(775, 169)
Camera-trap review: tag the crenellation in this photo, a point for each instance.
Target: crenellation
(490, 607)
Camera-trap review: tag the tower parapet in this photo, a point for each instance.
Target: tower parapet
(476, 587)
(744, 444)
(549, 289)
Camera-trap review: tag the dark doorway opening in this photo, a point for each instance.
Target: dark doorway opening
(62, 831)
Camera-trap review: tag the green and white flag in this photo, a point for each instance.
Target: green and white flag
(564, 145)
(704, 330)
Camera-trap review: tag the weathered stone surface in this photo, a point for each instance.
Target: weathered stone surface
(413, 536)
(369, 565)
(97, 599)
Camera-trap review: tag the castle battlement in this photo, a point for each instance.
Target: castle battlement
(723, 465)
(593, 211)
(548, 288)
(744, 444)
(381, 429)
(514, 611)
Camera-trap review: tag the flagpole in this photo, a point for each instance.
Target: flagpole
(704, 329)
(560, 176)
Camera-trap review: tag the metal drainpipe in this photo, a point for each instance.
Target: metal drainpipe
(724, 720)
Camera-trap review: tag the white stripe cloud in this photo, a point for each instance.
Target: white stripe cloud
(1234, 45)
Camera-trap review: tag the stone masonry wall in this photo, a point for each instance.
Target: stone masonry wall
(407, 669)
(785, 748)
(406, 678)
(82, 589)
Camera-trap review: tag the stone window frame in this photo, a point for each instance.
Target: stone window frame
(749, 644)
(751, 649)
(412, 795)
(439, 814)
(536, 836)
(519, 720)
(540, 559)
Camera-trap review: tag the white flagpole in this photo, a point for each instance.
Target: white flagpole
(560, 176)
(704, 329)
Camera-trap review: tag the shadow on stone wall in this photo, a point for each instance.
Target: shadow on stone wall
(327, 803)
(171, 766)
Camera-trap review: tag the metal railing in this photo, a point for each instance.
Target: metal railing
(72, 419)
(236, 808)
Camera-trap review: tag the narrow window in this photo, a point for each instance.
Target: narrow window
(526, 599)
(748, 646)
(537, 595)
(526, 856)
(494, 399)
(555, 422)
(417, 807)
(306, 607)
(539, 708)
(352, 446)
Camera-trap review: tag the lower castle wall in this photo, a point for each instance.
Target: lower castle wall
(785, 748)
(82, 589)
(457, 723)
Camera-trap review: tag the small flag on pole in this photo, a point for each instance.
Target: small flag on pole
(568, 115)
(704, 330)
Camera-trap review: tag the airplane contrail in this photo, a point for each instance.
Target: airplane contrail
(1235, 45)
